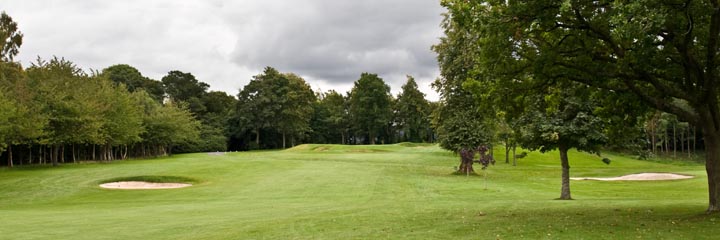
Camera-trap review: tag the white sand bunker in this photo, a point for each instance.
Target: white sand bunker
(639, 177)
(142, 185)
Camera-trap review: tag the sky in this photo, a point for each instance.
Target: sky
(224, 43)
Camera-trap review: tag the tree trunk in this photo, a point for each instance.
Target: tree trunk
(54, 155)
(653, 139)
(342, 135)
(372, 139)
(73, 153)
(283, 135)
(10, 160)
(565, 189)
(712, 166)
(694, 140)
(682, 142)
(674, 141)
(257, 137)
(507, 153)
(466, 167)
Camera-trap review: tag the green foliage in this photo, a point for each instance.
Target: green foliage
(72, 102)
(370, 106)
(7, 108)
(10, 38)
(168, 124)
(562, 117)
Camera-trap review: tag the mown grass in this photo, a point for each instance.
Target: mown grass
(403, 191)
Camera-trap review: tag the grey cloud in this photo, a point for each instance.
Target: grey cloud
(337, 40)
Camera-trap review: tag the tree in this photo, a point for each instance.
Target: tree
(412, 112)
(166, 124)
(370, 105)
(664, 53)
(296, 108)
(562, 118)
(257, 105)
(460, 121)
(10, 38)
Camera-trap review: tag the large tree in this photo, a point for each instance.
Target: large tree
(412, 113)
(663, 52)
(370, 106)
(461, 122)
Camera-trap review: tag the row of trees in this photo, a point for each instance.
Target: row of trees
(580, 74)
(277, 110)
(54, 112)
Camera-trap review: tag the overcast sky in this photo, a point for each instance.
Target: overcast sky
(224, 43)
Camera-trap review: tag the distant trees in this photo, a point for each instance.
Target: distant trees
(276, 107)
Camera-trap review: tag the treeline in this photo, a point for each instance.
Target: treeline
(278, 110)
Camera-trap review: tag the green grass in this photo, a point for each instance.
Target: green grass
(403, 191)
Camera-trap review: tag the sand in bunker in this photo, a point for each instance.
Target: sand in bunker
(639, 177)
(142, 185)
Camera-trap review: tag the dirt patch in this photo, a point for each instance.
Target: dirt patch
(142, 185)
(639, 177)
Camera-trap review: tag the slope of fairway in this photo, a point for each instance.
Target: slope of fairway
(358, 192)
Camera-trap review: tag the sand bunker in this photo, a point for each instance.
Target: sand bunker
(639, 177)
(142, 185)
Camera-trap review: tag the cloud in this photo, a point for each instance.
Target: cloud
(225, 43)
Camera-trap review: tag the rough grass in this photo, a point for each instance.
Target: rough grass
(354, 192)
